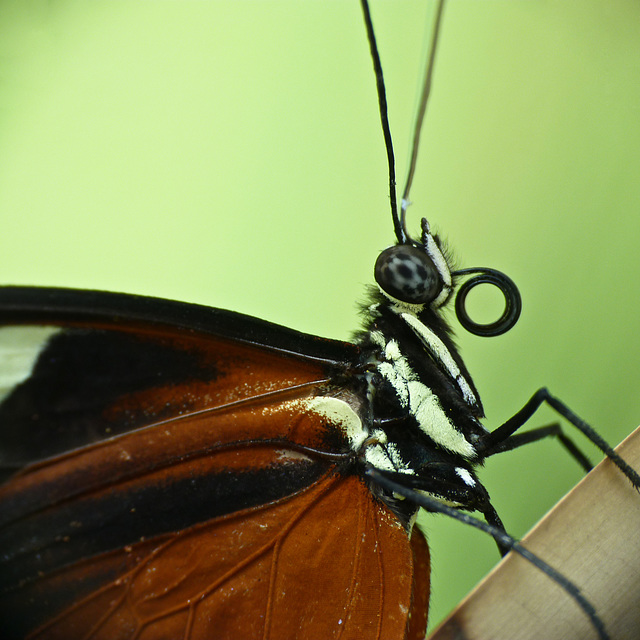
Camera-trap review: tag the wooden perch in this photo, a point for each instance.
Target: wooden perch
(592, 536)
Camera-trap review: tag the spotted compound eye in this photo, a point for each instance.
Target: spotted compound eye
(408, 274)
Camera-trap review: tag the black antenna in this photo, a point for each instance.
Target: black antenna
(424, 98)
(399, 229)
(399, 220)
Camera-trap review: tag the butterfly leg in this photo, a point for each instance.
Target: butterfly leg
(455, 486)
(496, 438)
(553, 430)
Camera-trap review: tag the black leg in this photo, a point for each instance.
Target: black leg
(505, 541)
(539, 433)
(492, 518)
(441, 479)
(496, 438)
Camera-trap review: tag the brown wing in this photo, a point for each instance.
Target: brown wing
(207, 514)
(327, 563)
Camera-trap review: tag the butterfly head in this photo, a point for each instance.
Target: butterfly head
(415, 273)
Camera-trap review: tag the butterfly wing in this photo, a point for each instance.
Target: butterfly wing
(175, 481)
(81, 366)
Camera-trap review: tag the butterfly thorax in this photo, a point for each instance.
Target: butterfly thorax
(424, 408)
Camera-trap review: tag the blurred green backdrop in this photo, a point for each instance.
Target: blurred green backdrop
(229, 153)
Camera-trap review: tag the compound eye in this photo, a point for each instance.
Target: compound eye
(408, 274)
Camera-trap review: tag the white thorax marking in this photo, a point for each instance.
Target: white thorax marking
(439, 350)
(422, 403)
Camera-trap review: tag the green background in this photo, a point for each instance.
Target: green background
(229, 153)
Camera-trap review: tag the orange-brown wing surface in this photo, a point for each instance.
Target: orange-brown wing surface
(175, 481)
(326, 563)
(82, 366)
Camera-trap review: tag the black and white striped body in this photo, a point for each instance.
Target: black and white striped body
(425, 411)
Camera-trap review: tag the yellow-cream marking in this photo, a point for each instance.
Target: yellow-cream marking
(340, 412)
(422, 403)
(442, 354)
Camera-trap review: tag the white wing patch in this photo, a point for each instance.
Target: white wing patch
(442, 354)
(422, 403)
(20, 347)
(338, 412)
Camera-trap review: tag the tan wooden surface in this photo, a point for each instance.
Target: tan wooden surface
(593, 537)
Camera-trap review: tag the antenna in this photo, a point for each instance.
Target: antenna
(513, 302)
(399, 224)
(424, 98)
(400, 231)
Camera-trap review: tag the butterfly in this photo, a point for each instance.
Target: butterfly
(96, 304)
